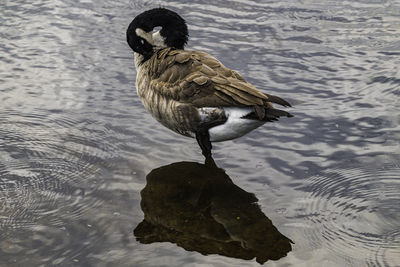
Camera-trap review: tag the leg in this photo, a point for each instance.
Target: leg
(209, 162)
(203, 139)
(203, 136)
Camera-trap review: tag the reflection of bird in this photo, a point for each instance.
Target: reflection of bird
(200, 209)
(191, 92)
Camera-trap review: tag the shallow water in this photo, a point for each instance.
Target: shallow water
(76, 145)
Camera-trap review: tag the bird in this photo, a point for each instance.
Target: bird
(190, 91)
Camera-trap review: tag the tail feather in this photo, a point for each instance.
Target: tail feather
(277, 100)
(271, 114)
(277, 113)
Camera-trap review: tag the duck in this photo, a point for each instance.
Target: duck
(190, 91)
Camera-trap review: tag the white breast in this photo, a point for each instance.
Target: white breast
(235, 126)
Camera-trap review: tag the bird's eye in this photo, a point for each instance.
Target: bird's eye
(142, 41)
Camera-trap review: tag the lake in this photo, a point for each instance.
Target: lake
(89, 178)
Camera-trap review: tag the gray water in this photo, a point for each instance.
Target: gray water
(76, 145)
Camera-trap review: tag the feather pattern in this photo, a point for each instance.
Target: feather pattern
(183, 73)
(173, 84)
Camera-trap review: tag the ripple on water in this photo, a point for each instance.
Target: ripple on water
(354, 213)
(48, 180)
(388, 253)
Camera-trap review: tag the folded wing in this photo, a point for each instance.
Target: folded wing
(198, 78)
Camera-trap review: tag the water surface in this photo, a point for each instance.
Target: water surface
(77, 147)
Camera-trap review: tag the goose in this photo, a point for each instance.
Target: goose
(192, 92)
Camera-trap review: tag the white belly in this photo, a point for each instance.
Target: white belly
(235, 126)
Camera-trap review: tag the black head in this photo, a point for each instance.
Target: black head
(174, 32)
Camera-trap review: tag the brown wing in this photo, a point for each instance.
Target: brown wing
(198, 78)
